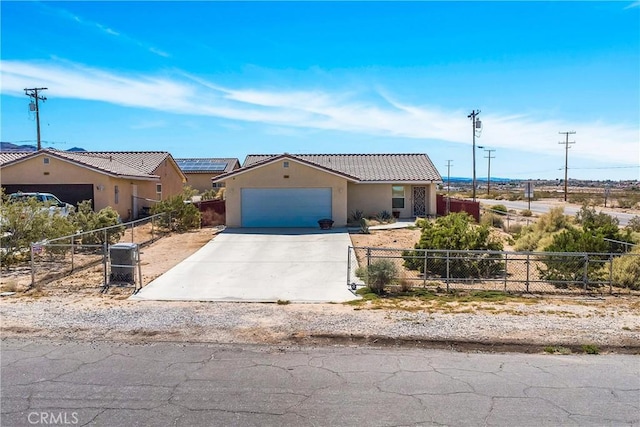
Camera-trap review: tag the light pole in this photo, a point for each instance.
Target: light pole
(475, 124)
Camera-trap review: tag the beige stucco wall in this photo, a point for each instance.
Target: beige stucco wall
(200, 181)
(300, 176)
(369, 198)
(375, 198)
(170, 178)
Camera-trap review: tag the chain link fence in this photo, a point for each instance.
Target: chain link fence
(57, 258)
(517, 272)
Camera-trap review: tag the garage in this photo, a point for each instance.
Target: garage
(284, 207)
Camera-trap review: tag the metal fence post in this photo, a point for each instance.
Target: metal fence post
(585, 271)
(527, 262)
(610, 274)
(447, 278)
(72, 251)
(105, 236)
(368, 257)
(348, 266)
(506, 259)
(105, 254)
(424, 270)
(132, 227)
(33, 267)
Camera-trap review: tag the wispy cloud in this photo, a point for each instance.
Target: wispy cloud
(632, 5)
(104, 29)
(315, 109)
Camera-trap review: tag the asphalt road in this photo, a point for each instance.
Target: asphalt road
(177, 384)
(542, 207)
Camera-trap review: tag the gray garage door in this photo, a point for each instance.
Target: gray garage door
(285, 207)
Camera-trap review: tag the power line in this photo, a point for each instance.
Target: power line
(566, 158)
(33, 93)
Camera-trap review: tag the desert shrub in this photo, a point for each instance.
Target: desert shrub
(492, 220)
(634, 224)
(385, 217)
(515, 229)
(526, 213)
(499, 209)
(455, 231)
(547, 225)
(356, 216)
(626, 270)
(85, 219)
(182, 214)
(25, 222)
(210, 194)
(378, 275)
(422, 222)
(364, 226)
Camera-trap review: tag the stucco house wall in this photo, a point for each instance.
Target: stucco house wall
(275, 175)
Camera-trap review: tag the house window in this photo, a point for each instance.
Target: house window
(397, 197)
(116, 194)
(218, 184)
(159, 189)
(45, 160)
(285, 164)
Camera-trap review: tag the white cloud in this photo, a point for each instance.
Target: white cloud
(326, 110)
(104, 29)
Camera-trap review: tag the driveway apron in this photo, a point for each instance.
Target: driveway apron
(260, 265)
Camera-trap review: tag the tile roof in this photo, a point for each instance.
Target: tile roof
(367, 167)
(207, 165)
(139, 164)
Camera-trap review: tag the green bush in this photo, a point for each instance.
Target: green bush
(549, 224)
(626, 270)
(634, 224)
(526, 213)
(85, 219)
(456, 231)
(499, 209)
(182, 214)
(378, 275)
(25, 222)
(490, 219)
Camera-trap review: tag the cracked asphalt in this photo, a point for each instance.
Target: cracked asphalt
(103, 383)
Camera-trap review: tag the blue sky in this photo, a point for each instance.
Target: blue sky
(227, 79)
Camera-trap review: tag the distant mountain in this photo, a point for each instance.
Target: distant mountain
(469, 180)
(8, 147)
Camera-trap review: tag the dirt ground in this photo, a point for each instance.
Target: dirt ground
(78, 296)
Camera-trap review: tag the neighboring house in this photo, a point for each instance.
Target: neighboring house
(200, 171)
(290, 190)
(128, 181)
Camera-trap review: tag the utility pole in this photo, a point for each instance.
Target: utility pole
(566, 157)
(475, 124)
(33, 93)
(488, 156)
(448, 182)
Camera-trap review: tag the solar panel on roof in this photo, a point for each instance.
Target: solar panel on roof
(199, 165)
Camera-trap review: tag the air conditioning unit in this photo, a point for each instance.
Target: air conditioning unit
(123, 261)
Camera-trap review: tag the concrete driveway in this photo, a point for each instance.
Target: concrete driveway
(260, 265)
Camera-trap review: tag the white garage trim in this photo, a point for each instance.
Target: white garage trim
(284, 207)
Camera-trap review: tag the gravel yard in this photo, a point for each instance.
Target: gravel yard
(74, 309)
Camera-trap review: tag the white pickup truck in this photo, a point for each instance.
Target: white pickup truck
(52, 203)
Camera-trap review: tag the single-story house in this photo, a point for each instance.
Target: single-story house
(200, 171)
(296, 190)
(128, 181)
